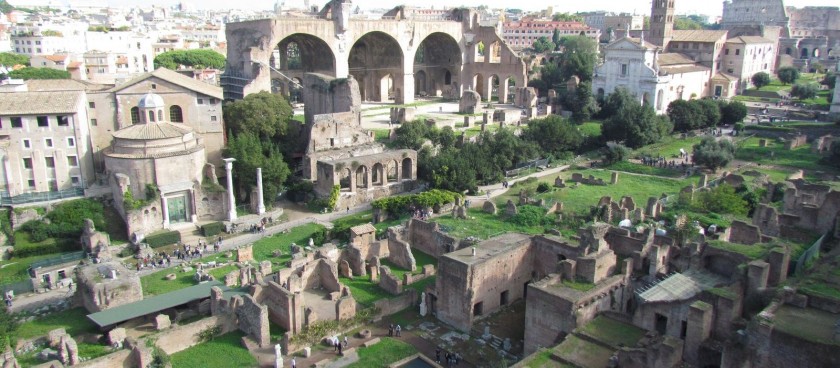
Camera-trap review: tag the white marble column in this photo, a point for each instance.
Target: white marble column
(165, 210)
(231, 198)
(260, 201)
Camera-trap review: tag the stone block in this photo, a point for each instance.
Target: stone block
(245, 254)
(54, 336)
(162, 322)
(614, 178)
(307, 352)
(116, 336)
(371, 342)
(470, 103)
(489, 207)
(469, 121)
(510, 208)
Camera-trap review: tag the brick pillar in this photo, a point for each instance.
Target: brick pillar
(757, 276)
(698, 330)
(779, 261)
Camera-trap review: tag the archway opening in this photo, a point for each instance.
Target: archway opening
(373, 57)
(804, 54)
(436, 58)
(495, 87)
(479, 85)
(362, 177)
(295, 55)
(344, 180)
(406, 168)
(392, 172)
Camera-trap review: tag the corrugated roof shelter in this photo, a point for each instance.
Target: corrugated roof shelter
(681, 286)
(113, 316)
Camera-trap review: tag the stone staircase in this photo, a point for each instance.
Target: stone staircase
(190, 234)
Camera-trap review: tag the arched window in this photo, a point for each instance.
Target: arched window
(447, 78)
(151, 116)
(135, 115)
(160, 115)
(175, 114)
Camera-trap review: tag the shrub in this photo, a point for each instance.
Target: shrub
(543, 187)
(66, 222)
(212, 229)
(529, 216)
(399, 204)
(37, 248)
(163, 239)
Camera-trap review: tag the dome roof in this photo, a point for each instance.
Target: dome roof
(150, 101)
(152, 131)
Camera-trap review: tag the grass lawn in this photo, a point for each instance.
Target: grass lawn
(542, 359)
(578, 285)
(808, 323)
(16, 269)
(156, 283)
(613, 332)
(222, 352)
(387, 351)
(799, 158)
(668, 147)
(581, 198)
(583, 353)
(631, 167)
(342, 225)
(483, 225)
(74, 321)
(364, 291)
(476, 129)
(381, 135)
(299, 235)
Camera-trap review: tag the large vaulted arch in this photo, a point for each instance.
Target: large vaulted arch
(438, 58)
(297, 54)
(373, 58)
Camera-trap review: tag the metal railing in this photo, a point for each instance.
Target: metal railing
(6, 199)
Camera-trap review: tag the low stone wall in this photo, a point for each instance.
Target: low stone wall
(180, 338)
(388, 307)
(117, 359)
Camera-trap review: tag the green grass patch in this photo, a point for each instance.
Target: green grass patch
(821, 289)
(613, 332)
(300, 235)
(635, 168)
(808, 323)
(583, 353)
(16, 269)
(420, 286)
(755, 251)
(275, 331)
(578, 285)
(74, 321)
(382, 354)
(364, 291)
(482, 225)
(590, 129)
(222, 352)
(541, 359)
(156, 283)
(93, 351)
(381, 135)
(776, 154)
(667, 147)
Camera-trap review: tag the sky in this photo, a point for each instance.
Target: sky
(705, 7)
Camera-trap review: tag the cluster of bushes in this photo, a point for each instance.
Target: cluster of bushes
(212, 229)
(699, 114)
(66, 221)
(430, 199)
(530, 216)
(163, 239)
(130, 203)
(26, 249)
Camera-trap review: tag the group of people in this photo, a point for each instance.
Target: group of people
(339, 345)
(420, 214)
(394, 331)
(8, 298)
(185, 253)
(451, 359)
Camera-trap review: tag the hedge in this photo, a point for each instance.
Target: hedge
(23, 248)
(212, 229)
(399, 204)
(163, 239)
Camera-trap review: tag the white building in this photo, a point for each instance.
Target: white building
(655, 78)
(745, 56)
(44, 142)
(523, 34)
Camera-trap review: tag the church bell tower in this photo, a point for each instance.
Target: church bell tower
(661, 22)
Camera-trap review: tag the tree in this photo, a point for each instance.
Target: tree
(632, 123)
(804, 91)
(760, 79)
(553, 134)
(711, 112)
(11, 59)
(549, 78)
(5, 8)
(413, 134)
(555, 38)
(615, 152)
(200, 58)
(713, 154)
(685, 115)
(721, 199)
(264, 114)
(250, 153)
(581, 102)
(8, 326)
(829, 80)
(567, 17)
(39, 73)
(788, 75)
(732, 112)
(543, 44)
(578, 58)
(684, 23)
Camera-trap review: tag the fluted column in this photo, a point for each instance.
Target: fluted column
(231, 198)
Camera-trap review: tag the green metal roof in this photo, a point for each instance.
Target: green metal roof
(64, 258)
(158, 303)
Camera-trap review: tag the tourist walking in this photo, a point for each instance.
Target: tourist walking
(398, 330)
(340, 349)
(294, 364)
(391, 330)
(437, 355)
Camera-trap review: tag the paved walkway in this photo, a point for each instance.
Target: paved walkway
(495, 190)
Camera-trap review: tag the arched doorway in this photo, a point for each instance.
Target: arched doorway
(344, 180)
(646, 99)
(438, 57)
(479, 85)
(659, 98)
(495, 86)
(406, 168)
(804, 54)
(420, 83)
(297, 54)
(373, 57)
(392, 172)
(378, 175)
(362, 177)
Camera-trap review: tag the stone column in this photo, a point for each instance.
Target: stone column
(260, 201)
(231, 198)
(165, 211)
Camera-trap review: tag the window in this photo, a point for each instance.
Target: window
(31, 183)
(17, 122)
(92, 105)
(154, 85)
(151, 117)
(93, 122)
(160, 115)
(75, 180)
(71, 142)
(27, 144)
(135, 115)
(200, 101)
(623, 70)
(43, 121)
(72, 161)
(48, 142)
(63, 120)
(213, 101)
(176, 115)
(213, 118)
(737, 52)
(726, 52)
(50, 162)
(27, 163)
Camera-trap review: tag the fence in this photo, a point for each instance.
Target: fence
(811, 254)
(6, 199)
(527, 166)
